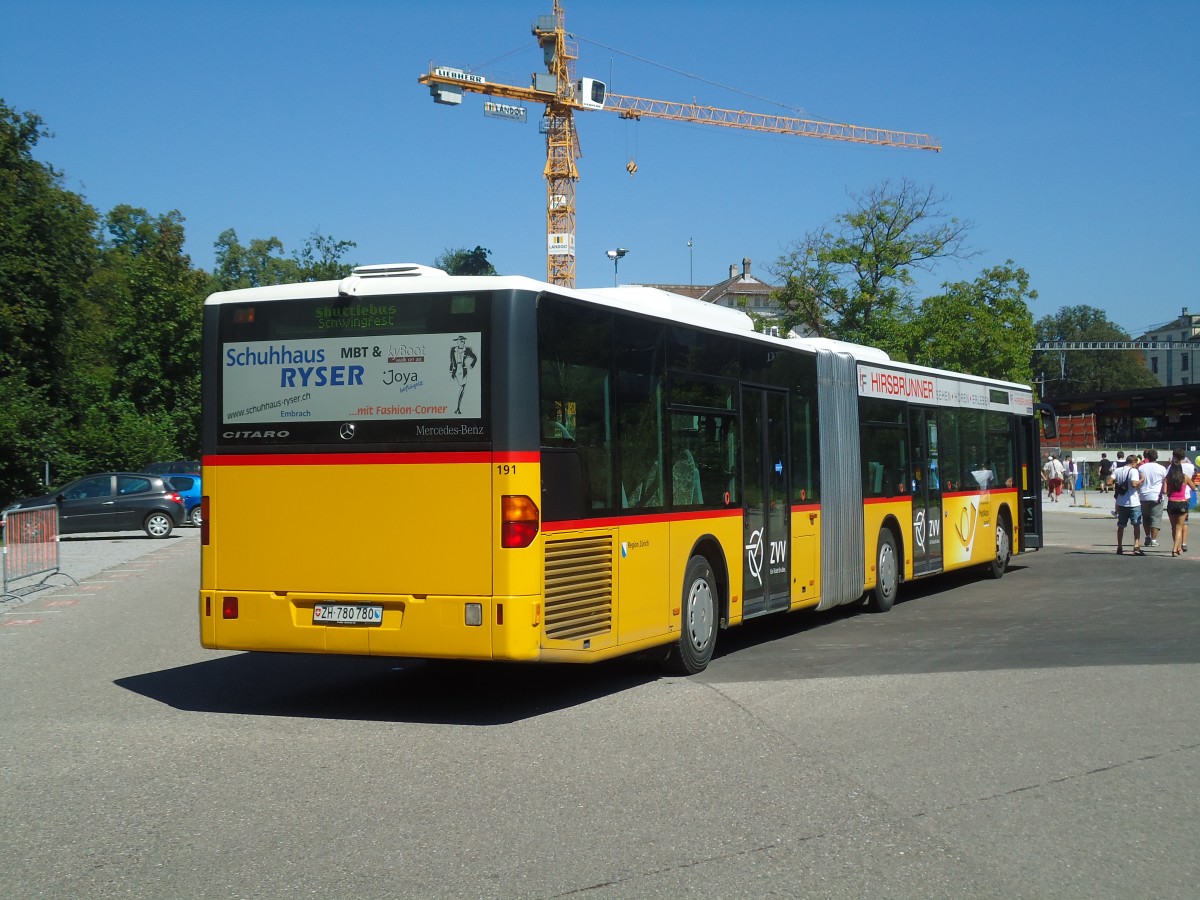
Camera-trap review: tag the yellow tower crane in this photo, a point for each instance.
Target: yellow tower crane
(563, 93)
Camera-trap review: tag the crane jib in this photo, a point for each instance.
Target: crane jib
(562, 93)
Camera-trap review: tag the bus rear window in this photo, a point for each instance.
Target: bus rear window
(349, 371)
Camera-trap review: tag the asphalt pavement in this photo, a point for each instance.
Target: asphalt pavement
(1035, 736)
(82, 556)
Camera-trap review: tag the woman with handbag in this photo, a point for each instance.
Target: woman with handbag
(1178, 492)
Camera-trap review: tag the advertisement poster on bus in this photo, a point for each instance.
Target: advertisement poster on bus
(402, 377)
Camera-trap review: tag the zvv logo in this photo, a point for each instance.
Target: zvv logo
(754, 555)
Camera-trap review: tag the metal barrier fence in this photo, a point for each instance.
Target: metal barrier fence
(30, 545)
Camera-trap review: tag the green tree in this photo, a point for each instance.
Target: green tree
(154, 299)
(465, 262)
(983, 327)
(854, 280)
(47, 253)
(320, 259)
(261, 262)
(1069, 372)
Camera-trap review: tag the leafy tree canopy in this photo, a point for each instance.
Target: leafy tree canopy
(854, 280)
(100, 321)
(983, 327)
(465, 262)
(262, 261)
(47, 252)
(320, 259)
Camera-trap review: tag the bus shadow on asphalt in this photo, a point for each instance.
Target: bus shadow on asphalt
(385, 690)
(459, 692)
(1034, 618)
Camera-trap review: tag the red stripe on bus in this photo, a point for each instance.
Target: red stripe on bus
(613, 521)
(361, 459)
(870, 500)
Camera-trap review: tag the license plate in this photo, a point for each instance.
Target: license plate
(347, 614)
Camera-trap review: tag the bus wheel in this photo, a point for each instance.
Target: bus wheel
(996, 567)
(887, 574)
(698, 634)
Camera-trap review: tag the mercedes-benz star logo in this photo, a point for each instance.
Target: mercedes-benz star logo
(347, 431)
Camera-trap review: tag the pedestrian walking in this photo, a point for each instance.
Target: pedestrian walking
(1129, 507)
(1121, 463)
(1178, 489)
(1150, 492)
(1106, 470)
(1054, 478)
(1072, 477)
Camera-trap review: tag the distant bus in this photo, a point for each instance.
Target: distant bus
(405, 463)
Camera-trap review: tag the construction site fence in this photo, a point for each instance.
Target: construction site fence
(30, 544)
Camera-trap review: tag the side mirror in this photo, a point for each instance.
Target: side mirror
(1049, 420)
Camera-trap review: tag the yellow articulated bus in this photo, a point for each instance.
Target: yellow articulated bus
(406, 463)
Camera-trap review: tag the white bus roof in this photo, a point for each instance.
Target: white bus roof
(411, 278)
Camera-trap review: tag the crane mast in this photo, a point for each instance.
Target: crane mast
(562, 149)
(562, 94)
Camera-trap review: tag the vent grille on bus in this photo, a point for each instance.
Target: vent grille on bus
(579, 582)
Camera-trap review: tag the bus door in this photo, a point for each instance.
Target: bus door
(926, 491)
(1028, 484)
(766, 576)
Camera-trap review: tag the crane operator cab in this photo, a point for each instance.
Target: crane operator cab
(590, 93)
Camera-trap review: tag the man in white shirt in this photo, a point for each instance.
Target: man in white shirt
(1129, 507)
(1151, 495)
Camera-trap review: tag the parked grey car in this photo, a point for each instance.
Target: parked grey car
(113, 501)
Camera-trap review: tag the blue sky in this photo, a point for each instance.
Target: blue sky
(1071, 130)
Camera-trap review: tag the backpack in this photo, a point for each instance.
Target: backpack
(1122, 484)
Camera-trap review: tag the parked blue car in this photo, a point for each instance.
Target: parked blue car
(188, 487)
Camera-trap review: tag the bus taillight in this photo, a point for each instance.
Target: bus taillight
(519, 521)
(204, 519)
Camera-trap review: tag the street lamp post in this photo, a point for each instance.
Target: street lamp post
(615, 256)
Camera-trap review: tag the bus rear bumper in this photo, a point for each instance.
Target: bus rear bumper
(500, 628)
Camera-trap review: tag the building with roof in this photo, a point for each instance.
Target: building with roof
(741, 290)
(1175, 365)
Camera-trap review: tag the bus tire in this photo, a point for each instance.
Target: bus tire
(998, 565)
(698, 628)
(882, 597)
